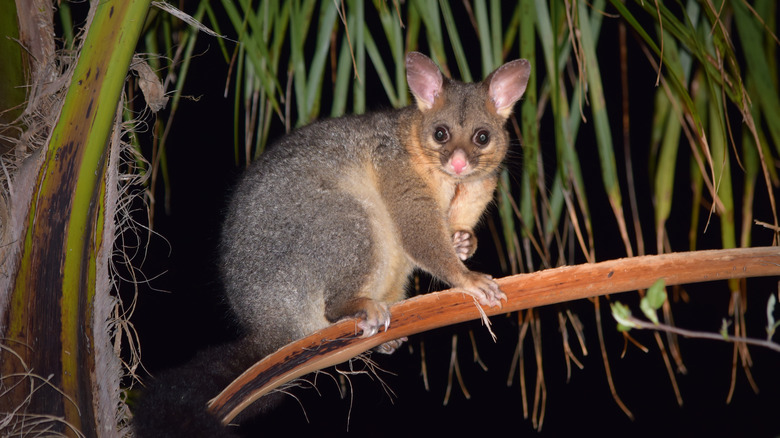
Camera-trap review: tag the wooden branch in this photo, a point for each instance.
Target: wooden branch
(341, 341)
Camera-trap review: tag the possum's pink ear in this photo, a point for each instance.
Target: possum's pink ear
(507, 85)
(424, 79)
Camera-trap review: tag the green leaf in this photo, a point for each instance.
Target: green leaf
(453, 32)
(653, 300)
(428, 12)
(529, 124)
(316, 72)
(751, 39)
(622, 315)
(356, 19)
(598, 107)
(771, 325)
(724, 329)
(391, 23)
(381, 70)
(341, 87)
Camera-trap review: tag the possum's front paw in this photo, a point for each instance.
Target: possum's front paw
(465, 243)
(374, 315)
(483, 288)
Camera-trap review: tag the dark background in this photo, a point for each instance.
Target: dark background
(180, 309)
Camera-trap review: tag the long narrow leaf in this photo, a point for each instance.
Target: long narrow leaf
(316, 72)
(453, 32)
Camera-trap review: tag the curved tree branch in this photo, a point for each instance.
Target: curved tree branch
(341, 341)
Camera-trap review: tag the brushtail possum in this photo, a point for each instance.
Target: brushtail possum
(330, 222)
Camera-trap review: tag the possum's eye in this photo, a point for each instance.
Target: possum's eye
(481, 137)
(441, 134)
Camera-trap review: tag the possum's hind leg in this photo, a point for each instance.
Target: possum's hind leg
(369, 275)
(373, 316)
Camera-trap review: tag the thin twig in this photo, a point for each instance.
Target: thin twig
(693, 334)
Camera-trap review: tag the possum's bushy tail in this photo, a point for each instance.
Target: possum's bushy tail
(174, 404)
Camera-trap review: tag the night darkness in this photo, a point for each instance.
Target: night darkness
(180, 310)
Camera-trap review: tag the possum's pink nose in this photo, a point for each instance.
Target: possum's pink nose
(458, 162)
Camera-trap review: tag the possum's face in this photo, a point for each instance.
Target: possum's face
(461, 128)
(462, 133)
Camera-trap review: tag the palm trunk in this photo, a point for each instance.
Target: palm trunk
(59, 370)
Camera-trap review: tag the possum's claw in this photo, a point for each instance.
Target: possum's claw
(483, 288)
(376, 314)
